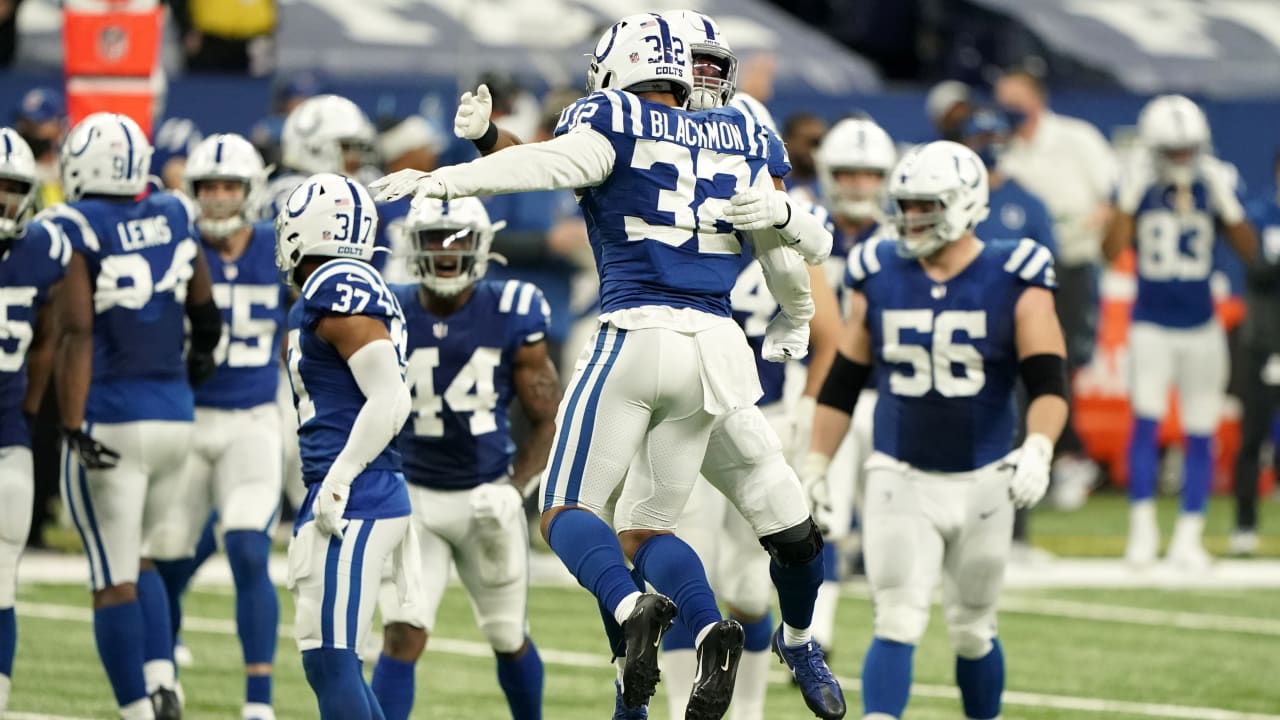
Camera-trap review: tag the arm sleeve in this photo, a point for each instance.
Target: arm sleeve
(785, 275)
(376, 368)
(807, 234)
(581, 158)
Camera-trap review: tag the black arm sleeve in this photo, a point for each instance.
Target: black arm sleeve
(1044, 374)
(844, 381)
(206, 327)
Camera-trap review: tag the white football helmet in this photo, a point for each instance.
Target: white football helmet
(226, 157)
(449, 242)
(854, 144)
(952, 177)
(17, 165)
(327, 216)
(1176, 132)
(708, 46)
(643, 53)
(105, 154)
(321, 132)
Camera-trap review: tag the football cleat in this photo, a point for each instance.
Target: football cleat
(622, 712)
(819, 687)
(165, 703)
(718, 657)
(643, 631)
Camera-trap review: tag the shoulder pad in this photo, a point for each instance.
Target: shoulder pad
(1030, 261)
(532, 313)
(74, 225)
(346, 287)
(865, 260)
(608, 111)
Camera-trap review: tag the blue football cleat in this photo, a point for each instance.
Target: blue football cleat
(808, 666)
(622, 712)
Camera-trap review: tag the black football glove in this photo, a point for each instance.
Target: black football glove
(200, 367)
(93, 454)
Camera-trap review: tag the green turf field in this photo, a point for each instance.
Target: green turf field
(1198, 656)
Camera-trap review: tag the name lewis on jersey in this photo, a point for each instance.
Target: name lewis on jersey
(144, 233)
(709, 133)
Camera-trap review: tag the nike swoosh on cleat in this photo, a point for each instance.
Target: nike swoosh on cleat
(725, 666)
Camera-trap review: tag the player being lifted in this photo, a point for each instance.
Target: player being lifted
(474, 346)
(33, 260)
(1170, 206)
(124, 392)
(657, 186)
(954, 323)
(235, 463)
(346, 363)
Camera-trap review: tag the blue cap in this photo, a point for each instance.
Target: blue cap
(175, 137)
(41, 104)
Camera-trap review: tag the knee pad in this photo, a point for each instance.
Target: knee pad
(504, 636)
(746, 438)
(901, 623)
(796, 545)
(972, 641)
(17, 487)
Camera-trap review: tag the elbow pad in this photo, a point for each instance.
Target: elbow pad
(844, 382)
(206, 326)
(806, 234)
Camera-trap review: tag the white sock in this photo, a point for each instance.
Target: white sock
(138, 710)
(624, 609)
(159, 674)
(5, 683)
(678, 668)
(752, 685)
(824, 613)
(257, 711)
(1143, 513)
(794, 637)
(1189, 529)
(702, 635)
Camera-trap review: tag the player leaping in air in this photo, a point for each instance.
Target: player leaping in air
(662, 191)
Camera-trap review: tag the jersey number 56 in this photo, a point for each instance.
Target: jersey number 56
(954, 369)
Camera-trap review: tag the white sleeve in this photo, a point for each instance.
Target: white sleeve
(376, 368)
(577, 159)
(807, 234)
(785, 274)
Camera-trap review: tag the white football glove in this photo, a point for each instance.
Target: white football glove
(494, 507)
(785, 339)
(813, 480)
(1031, 471)
(1220, 181)
(471, 121)
(1135, 179)
(757, 208)
(329, 506)
(406, 182)
(495, 503)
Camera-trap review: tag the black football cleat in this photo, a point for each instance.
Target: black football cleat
(166, 704)
(718, 657)
(643, 631)
(819, 687)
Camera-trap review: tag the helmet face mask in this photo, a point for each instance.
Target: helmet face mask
(449, 244)
(222, 206)
(18, 184)
(224, 174)
(921, 224)
(1174, 129)
(939, 194)
(858, 193)
(852, 161)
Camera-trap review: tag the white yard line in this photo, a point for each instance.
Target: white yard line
(552, 656)
(1079, 610)
(11, 715)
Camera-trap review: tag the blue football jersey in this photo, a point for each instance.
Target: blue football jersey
(1016, 214)
(253, 303)
(753, 307)
(140, 256)
(34, 262)
(1264, 213)
(656, 223)
(947, 353)
(325, 392)
(461, 372)
(1175, 258)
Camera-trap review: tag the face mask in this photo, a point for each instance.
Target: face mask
(989, 154)
(39, 145)
(1015, 117)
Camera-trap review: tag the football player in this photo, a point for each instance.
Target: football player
(474, 346)
(1170, 206)
(346, 363)
(135, 276)
(663, 191)
(235, 463)
(723, 539)
(952, 322)
(33, 260)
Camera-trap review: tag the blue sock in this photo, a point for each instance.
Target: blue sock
(208, 543)
(118, 631)
(1143, 457)
(520, 678)
(589, 549)
(257, 689)
(612, 630)
(677, 638)
(334, 676)
(886, 677)
(759, 633)
(393, 685)
(157, 629)
(1199, 474)
(673, 568)
(257, 607)
(797, 587)
(830, 563)
(981, 683)
(176, 575)
(8, 640)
